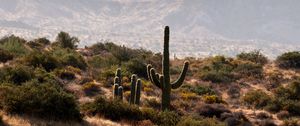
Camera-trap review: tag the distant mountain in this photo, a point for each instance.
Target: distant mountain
(198, 27)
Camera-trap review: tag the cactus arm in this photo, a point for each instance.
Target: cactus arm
(116, 80)
(149, 67)
(180, 80)
(154, 78)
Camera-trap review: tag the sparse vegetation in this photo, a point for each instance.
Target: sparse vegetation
(257, 98)
(48, 80)
(254, 56)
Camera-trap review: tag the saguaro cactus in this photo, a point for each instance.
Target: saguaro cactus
(135, 90)
(163, 81)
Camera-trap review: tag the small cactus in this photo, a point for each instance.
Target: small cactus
(132, 89)
(135, 90)
(115, 91)
(163, 81)
(118, 77)
(120, 93)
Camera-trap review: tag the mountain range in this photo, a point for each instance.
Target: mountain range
(198, 27)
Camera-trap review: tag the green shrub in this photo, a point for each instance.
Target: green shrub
(98, 48)
(217, 76)
(75, 61)
(246, 69)
(200, 90)
(69, 57)
(39, 43)
(64, 40)
(14, 45)
(102, 61)
(16, 74)
(167, 118)
(211, 99)
(289, 60)
(162, 118)
(287, 98)
(38, 59)
(65, 74)
(113, 110)
(137, 66)
(34, 45)
(46, 100)
(291, 91)
(190, 121)
(122, 53)
(254, 56)
(116, 110)
(5, 56)
(217, 69)
(90, 88)
(257, 98)
(42, 41)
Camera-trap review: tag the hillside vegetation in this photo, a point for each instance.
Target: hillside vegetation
(57, 83)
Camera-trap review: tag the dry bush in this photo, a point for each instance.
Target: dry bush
(91, 89)
(65, 74)
(234, 92)
(211, 110)
(263, 115)
(291, 122)
(283, 115)
(212, 99)
(152, 102)
(257, 98)
(266, 122)
(188, 96)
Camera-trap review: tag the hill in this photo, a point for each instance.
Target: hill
(226, 28)
(57, 83)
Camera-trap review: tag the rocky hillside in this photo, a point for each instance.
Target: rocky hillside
(46, 82)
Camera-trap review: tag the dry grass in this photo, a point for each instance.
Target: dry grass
(15, 120)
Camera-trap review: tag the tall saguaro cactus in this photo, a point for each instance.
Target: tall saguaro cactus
(163, 81)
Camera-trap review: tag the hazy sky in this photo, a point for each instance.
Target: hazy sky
(272, 20)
